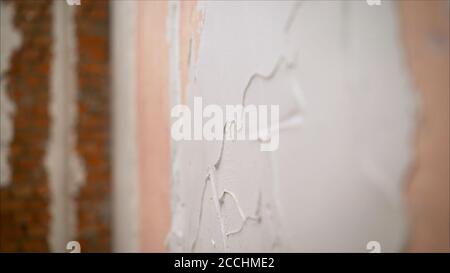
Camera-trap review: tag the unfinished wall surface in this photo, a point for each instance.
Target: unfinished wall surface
(347, 125)
(364, 107)
(25, 200)
(55, 148)
(64, 167)
(93, 128)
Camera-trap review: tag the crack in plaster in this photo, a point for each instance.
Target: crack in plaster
(210, 178)
(255, 217)
(293, 121)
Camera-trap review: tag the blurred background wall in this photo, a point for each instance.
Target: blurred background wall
(425, 32)
(55, 180)
(86, 92)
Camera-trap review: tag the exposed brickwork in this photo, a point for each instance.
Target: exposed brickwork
(24, 203)
(92, 22)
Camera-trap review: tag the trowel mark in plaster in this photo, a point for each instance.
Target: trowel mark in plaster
(217, 201)
(221, 151)
(175, 28)
(256, 217)
(210, 178)
(296, 118)
(292, 16)
(292, 122)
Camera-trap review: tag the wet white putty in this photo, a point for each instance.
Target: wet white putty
(65, 169)
(10, 40)
(347, 121)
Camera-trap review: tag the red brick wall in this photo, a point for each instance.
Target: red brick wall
(92, 21)
(24, 203)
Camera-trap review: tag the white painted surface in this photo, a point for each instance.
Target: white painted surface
(124, 150)
(10, 40)
(64, 167)
(335, 184)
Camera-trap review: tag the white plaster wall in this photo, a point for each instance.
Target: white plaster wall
(124, 150)
(10, 40)
(347, 110)
(64, 166)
